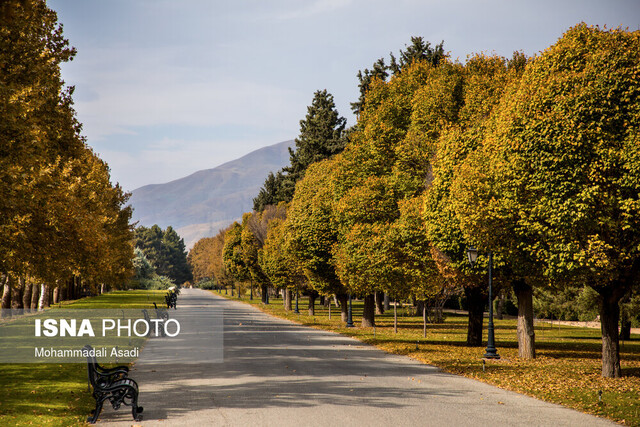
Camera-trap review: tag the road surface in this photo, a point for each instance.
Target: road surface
(276, 373)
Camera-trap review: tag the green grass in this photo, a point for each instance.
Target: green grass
(56, 394)
(567, 369)
(119, 299)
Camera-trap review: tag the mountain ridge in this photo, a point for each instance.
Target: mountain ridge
(200, 204)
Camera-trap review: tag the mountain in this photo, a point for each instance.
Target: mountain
(200, 204)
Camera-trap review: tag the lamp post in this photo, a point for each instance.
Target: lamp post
(490, 352)
(349, 318)
(296, 310)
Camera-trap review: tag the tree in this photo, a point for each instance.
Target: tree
(277, 261)
(272, 192)
(200, 259)
(176, 254)
(222, 276)
(373, 178)
(365, 78)
(254, 236)
(321, 137)
(60, 214)
(452, 122)
(418, 51)
(311, 231)
(561, 176)
(166, 251)
(232, 253)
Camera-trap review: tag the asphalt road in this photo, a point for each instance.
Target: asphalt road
(276, 373)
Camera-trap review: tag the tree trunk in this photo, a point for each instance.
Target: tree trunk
(6, 292)
(625, 330)
(500, 306)
(56, 294)
(312, 303)
(104, 288)
(369, 312)
(424, 318)
(264, 291)
(75, 285)
(379, 302)
(344, 309)
(419, 308)
(395, 316)
(288, 296)
(43, 302)
(386, 304)
(16, 295)
(609, 318)
(526, 332)
(35, 294)
(475, 305)
(26, 296)
(625, 324)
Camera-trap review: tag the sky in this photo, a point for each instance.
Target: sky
(165, 88)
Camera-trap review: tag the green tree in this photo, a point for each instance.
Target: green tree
(176, 254)
(365, 78)
(562, 166)
(277, 261)
(418, 51)
(311, 231)
(321, 137)
(232, 254)
(452, 124)
(166, 251)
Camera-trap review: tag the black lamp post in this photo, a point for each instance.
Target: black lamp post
(349, 318)
(490, 352)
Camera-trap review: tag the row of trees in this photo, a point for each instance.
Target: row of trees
(61, 218)
(533, 160)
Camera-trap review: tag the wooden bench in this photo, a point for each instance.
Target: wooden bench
(112, 384)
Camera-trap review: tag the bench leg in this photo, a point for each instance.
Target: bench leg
(95, 413)
(136, 410)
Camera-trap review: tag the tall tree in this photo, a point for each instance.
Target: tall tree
(418, 51)
(166, 251)
(176, 254)
(365, 78)
(60, 216)
(321, 137)
(311, 231)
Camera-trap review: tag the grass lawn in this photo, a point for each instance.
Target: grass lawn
(567, 369)
(56, 394)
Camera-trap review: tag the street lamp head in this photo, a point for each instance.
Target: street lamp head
(472, 254)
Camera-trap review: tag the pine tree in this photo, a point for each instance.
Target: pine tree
(321, 137)
(419, 50)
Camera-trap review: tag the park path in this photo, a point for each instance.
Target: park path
(277, 373)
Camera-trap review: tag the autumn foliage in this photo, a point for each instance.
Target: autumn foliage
(535, 160)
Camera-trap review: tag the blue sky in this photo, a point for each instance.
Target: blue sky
(168, 87)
